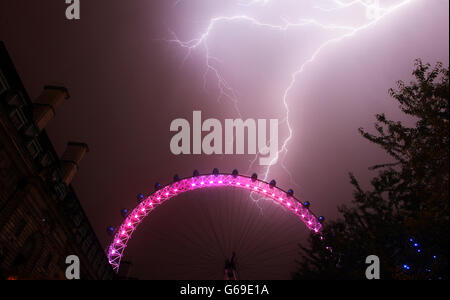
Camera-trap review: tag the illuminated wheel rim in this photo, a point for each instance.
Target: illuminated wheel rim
(125, 231)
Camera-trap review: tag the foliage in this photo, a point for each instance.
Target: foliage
(407, 202)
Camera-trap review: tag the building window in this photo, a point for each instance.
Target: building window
(34, 148)
(60, 190)
(15, 98)
(47, 160)
(18, 118)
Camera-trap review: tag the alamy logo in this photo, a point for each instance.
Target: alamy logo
(73, 10)
(235, 132)
(373, 270)
(73, 270)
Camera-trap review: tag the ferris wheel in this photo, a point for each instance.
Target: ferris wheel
(235, 223)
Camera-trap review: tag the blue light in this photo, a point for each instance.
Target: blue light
(434, 256)
(411, 240)
(406, 267)
(418, 250)
(416, 245)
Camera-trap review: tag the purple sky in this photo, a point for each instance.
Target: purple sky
(128, 82)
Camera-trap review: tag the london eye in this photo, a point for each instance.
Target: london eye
(230, 227)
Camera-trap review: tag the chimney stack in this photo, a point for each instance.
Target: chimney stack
(44, 108)
(71, 159)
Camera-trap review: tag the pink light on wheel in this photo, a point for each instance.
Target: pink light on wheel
(199, 182)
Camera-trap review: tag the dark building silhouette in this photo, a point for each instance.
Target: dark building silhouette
(41, 219)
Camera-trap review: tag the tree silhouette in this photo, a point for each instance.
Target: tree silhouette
(403, 217)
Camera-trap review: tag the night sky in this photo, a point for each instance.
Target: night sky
(128, 80)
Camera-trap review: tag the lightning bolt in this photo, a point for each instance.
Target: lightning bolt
(374, 13)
